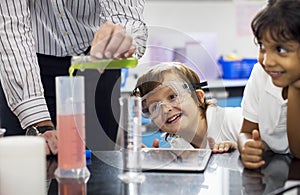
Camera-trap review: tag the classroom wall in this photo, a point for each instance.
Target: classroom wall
(229, 19)
(222, 26)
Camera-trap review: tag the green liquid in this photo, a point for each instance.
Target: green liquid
(130, 62)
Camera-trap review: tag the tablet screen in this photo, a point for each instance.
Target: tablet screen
(169, 159)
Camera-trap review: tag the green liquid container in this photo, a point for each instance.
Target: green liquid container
(87, 62)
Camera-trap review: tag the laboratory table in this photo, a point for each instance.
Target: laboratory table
(223, 175)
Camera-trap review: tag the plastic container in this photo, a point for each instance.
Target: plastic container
(237, 69)
(247, 66)
(71, 128)
(231, 68)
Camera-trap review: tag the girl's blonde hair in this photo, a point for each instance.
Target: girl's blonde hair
(155, 76)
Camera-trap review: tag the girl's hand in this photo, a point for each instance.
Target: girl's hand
(155, 144)
(222, 147)
(296, 84)
(252, 151)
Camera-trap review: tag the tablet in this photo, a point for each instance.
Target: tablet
(169, 159)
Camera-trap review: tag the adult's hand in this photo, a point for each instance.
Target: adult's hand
(51, 167)
(51, 142)
(112, 41)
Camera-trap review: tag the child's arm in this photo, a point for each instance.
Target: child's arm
(293, 122)
(250, 145)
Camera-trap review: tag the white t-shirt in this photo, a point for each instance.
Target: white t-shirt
(224, 124)
(263, 104)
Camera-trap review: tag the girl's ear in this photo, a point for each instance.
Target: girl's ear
(200, 95)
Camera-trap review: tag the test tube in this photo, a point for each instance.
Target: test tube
(71, 128)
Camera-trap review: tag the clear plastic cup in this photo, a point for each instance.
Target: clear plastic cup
(71, 128)
(131, 139)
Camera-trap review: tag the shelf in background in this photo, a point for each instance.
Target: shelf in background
(226, 83)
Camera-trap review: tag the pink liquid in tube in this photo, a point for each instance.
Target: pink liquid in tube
(71, 129)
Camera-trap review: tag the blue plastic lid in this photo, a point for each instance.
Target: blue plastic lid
(88, 154)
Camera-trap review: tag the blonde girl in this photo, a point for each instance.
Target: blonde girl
(174, 101)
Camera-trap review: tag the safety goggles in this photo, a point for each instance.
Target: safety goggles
(174, 93)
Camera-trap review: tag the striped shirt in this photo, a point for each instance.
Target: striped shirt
(58, 28)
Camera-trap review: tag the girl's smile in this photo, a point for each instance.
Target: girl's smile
(280, 60)
(174, 119)
(275, 74)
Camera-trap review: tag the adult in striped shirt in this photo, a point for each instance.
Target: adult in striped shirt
(37, 40)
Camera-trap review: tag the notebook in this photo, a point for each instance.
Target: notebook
(169, 159)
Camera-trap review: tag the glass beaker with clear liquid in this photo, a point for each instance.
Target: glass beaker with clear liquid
(71, 128)
(131, 139)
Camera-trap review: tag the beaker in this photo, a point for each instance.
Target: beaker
(70, 109)
(131, 139)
